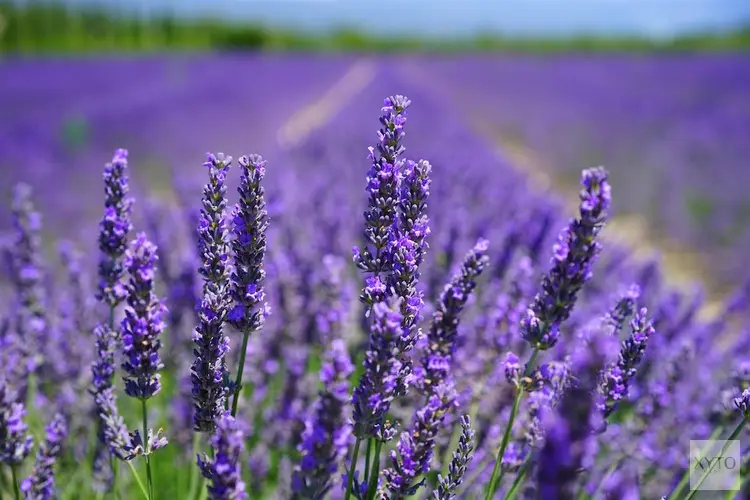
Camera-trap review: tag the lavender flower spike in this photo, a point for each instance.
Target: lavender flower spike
(413, 455)
(326, 436)
(379, 384)
(250, 221)
(223, 469)
(383, 191)
(112, 429)
(443, 331)
(410, 245)
(41, 484)
(208, 371)
(31, 321)
(15, 440)
(447, 486)
(616, 379)
(113, 230)
(143, 322)
(575, 252)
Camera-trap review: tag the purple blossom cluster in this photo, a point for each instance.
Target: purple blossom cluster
(541, 364)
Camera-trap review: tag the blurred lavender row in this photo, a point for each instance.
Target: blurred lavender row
(672, 130)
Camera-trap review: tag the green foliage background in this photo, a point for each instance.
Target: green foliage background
(51, 27)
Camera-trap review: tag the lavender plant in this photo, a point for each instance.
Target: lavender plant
(250, 221)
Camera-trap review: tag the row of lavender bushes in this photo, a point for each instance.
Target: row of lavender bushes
(452, 360)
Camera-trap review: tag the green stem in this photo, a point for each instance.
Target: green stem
(368, 452)
(352, 468)
(138, 479)
(686, 476)
(738, 483)
(112, 462)
(146, 450)
(194, 473)
(16, 489)
(115, 475)
(610, 471)
(732, 437)
(3, 485)
(494, 479)
(375, 472)
(240, 368)
(519, 479)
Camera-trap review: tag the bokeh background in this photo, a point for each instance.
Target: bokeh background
(657, 91)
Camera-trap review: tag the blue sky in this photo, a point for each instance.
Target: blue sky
(658, 18)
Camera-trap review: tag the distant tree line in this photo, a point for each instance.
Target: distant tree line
(54, 27)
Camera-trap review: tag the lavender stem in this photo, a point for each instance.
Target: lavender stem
(194, 478)
(146, 450)
(16, 489)
(238, 380)
(686, 476)
(352, 469)
(519, 479)
(368, 453)
(495, 478)
(138, 479)
(732, 437)
(375, 472)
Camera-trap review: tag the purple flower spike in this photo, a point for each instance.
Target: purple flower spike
(383, 190)
(326, 436)
(379, 384)
(250, 221)
(616, 379)
(15, 440)
(25, 255)
(410, 245)
(444, 327)
(447, 486)
(143, 322)
(223, 469)
(412, 457)
(574, 255)
(112, 429)
(114, 229)
(208, 372)
(41, 484)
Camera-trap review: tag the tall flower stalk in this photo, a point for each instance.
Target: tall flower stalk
(40, 485)
(326, 436)
(31, 318)
(249, 224)
(447, 486)
(114, 229)
(209, 371)
(15, 440)
(379, 258)
(574, 254)
(141, 328)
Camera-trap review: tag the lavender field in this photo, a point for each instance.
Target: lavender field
(672, 129)
(416, 321)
